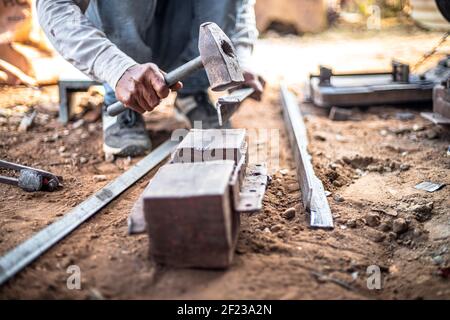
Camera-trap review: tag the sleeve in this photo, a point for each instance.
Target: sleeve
(245, 34)
(80, 42)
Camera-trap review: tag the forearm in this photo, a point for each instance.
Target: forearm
(80, 42)
(245, 34)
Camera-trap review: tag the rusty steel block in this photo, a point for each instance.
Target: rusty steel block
(210, 145)
(189, 215)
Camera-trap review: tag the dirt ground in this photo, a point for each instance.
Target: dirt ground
(370, 166)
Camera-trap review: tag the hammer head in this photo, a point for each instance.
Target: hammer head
(219, 58)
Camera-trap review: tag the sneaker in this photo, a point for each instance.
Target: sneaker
(125, 134)
(198, 107)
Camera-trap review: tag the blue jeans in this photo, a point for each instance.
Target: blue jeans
(163, 32)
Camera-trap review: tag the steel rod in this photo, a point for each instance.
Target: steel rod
(313, 193)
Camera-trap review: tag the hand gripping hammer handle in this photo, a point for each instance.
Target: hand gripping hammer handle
(171, 78)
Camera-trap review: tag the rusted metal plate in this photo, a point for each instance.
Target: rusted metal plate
(228, 105)
(313, 193)
(436, 118)
(213, 144)
(253, 189)
(189, 215)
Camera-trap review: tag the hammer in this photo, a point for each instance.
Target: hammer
(217, 57)
(30, 179)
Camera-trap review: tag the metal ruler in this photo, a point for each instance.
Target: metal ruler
(22, 255)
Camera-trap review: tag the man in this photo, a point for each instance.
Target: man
(127, 44)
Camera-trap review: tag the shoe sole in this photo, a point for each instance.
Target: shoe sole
(128, 151)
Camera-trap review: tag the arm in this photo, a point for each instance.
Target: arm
(245, 33)
(244, 38)
(80, 42)
(138, 86)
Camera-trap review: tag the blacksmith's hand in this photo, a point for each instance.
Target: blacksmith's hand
(142, 87)
(256, 82)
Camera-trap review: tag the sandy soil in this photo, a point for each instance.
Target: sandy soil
(369, 166)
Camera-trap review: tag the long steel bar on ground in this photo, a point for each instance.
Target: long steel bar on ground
(22, 255)
(313, 193)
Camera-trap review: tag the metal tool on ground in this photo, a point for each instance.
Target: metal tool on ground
(228, 105)
(313, 193)
(25, 253)
(217, 57)
(30, 179)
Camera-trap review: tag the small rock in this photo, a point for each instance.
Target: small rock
(399, 225)
(95, 294)
(438, 260)
(341, 138)
(375, 168)
(378, 236)
(337, 183)
(383, 133)
(100, 177)
(404, 116)
(266, 230)
(351, 223)
(392, 236)
(319, 137)
(422, 212)
(372, 219)
(333, 165)
(62, 149)
(52, 138)
(404, 167)
(78, 124)
(289, 213)
(448, 151)
(92, 127)
(338, 198)
(84, 135)
(275, 228)
(418, 127)
(284, 172)
(83, 160)
(385, 226)
(432, 134)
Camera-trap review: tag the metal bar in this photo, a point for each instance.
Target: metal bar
(313, 193)
(228, 105)
(22, 255)
(9, 180)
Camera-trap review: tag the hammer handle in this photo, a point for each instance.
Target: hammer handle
(171, 78)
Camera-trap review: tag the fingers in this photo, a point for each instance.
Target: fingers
(256, 82)
(177, 86)
(142, 87)
(155, 79)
